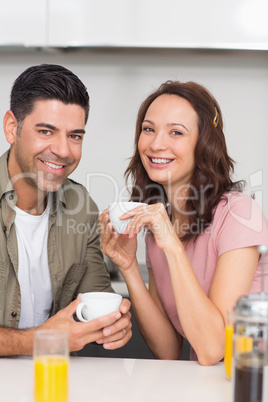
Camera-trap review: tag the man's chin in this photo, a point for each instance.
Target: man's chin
(49, 187)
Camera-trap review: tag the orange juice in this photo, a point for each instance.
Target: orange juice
(228, 354)
(51, 379)
(242, 344)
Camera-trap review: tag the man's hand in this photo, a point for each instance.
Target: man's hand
(118, 334)
(113, 330)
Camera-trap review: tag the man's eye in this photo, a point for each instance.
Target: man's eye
(76, 137)
(45, 132)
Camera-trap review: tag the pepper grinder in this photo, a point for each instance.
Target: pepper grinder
(250, 343)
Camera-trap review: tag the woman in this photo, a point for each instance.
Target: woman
(202, 232)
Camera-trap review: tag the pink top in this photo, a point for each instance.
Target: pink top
(237, 223)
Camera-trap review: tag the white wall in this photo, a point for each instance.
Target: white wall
(118, 80)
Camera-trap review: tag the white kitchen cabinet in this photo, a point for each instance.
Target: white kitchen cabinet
(90, 22)
(23, 22)
(237, 24)
(229, 24)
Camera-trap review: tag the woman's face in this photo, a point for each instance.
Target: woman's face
(167, 141)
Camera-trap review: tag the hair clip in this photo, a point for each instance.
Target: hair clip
(215, 122)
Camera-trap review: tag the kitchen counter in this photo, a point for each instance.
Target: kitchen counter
(121, 380)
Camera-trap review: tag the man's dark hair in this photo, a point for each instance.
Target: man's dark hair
(46, 82)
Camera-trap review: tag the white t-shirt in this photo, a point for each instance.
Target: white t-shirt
(33, 270)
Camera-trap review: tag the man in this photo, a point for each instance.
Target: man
(45, 261)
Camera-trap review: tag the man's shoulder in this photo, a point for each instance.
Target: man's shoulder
(72, 183)
(72, 186)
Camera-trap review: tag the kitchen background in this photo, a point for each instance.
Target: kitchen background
(124, 49)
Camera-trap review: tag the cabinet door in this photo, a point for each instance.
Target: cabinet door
(88, 22)
(23, 22)
(169, 23)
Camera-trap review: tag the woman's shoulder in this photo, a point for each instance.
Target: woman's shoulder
(239, 209)
(235, 199)
(235, 196)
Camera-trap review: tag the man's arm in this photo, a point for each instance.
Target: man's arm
(16, 342)
(113, 330)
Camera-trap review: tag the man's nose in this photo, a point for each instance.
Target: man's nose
(60, 146)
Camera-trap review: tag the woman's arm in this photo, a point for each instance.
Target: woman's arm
(155, 327)
(203, 317)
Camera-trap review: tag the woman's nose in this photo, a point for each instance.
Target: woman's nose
(159, 142)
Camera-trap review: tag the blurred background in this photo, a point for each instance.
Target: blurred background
(124, 49)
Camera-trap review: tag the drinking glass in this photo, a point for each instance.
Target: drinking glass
(228, 353)
(51, 363)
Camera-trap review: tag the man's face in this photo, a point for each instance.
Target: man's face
(49, 145)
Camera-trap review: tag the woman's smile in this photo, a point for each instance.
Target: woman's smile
(168, 139)
(157, 162)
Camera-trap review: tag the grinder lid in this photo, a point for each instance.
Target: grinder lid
(252, 306)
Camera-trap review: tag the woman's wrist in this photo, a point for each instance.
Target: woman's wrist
(174, 245)
(131, 271)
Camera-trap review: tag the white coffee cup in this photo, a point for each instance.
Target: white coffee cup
(96, 304)
(116, 209)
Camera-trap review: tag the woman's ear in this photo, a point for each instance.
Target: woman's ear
(10, 127)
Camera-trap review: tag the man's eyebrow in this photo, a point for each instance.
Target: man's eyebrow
(46, 125)
(51, 127)
(79, 131)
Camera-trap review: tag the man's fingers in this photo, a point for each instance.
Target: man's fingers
(101, 322)
(71, 308)
(125, 337)
(125, 306)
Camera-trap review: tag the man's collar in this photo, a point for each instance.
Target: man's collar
(5, 182)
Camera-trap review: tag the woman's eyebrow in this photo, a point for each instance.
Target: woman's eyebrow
(178, 124)
(169, 124)
(148, 121)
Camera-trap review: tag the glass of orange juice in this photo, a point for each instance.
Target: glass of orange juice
(236, 342)
(228, 354)
(51, 362)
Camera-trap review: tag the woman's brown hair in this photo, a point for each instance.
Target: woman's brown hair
(211, 177)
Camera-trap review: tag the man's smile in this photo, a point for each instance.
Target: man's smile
(52, 165)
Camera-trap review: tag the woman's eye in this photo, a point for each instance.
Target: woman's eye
(175, 132)
(147, 129)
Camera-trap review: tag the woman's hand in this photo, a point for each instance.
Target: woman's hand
(119, 248)
(153, 217)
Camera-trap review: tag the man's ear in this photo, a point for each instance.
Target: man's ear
(10, 127)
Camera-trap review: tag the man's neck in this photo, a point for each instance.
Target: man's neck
(30, 198)
(34, 207)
